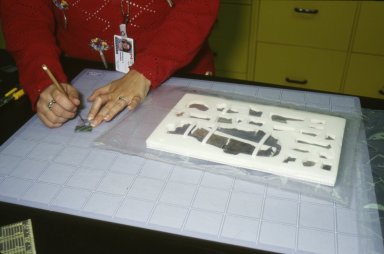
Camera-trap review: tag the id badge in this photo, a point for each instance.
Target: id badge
(124, 53)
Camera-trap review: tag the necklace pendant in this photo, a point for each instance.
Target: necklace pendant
(62, 5)
(170, 3)
(65, 21)
(126, 19)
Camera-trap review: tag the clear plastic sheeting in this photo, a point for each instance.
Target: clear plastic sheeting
(369, 186)
(130, 134)
(63, 171)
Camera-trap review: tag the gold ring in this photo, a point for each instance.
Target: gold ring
(124, 98)
(51, 103)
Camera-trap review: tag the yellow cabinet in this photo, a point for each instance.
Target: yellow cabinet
(322, 24)
(335, 46)
(2, 42)
(304, 43)
(365, 76)
(365, 73)
(370, 29)
(294, 66)
(230, 39)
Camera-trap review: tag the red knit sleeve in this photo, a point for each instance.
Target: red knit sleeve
(28, 28)
(179, 39)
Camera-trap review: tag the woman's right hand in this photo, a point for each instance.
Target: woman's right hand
(55, 108)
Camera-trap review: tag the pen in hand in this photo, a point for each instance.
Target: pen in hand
(61, 89)
(54, 80)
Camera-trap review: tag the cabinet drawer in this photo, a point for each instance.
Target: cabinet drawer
(323, 24)
(370, 29)
(2, 41)
(231, 75)
(365, 76)
(230, 38)
(299, 67)
(236, 1)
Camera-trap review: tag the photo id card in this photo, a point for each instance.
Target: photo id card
(124, 53)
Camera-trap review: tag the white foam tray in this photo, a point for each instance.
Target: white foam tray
(291, 143)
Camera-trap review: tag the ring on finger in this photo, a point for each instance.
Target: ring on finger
(50, 104)
(125, 99)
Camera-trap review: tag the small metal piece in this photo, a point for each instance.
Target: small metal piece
(224, 120)
(300, 150)
(200, 107)
(217, 140)
(255, 123)
(200, 117)
(269, 152)
(283, 119)
(273, 150)
(308, 163)
(314, 144)
(235, 147)
(180, 130)
(253, 112)
(289, 159)
(84, 126)
(231, 111)
(309, 134)
(326, 167)
(199, 134)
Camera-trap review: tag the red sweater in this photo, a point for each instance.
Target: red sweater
(166, 39)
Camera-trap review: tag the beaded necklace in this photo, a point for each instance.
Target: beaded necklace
(125, 9)
(99, 44)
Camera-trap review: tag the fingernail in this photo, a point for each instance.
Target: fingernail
(90, 117)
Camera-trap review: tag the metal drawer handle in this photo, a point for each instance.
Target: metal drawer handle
(294, 81)
(306, 11)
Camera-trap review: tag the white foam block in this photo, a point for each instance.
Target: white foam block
(277, 140)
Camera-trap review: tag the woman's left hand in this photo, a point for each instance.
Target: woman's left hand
(107, 101)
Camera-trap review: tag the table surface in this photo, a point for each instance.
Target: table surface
(88, 229)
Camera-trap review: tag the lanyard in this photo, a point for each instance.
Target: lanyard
(124, 6)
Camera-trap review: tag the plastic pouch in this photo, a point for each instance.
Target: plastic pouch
(130, 135)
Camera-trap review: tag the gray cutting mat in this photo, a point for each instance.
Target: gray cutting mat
(60, 170)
